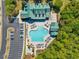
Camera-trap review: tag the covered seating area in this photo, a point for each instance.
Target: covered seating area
(54, 29)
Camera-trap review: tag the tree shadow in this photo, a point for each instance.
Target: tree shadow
(56, 9)
(33, 20)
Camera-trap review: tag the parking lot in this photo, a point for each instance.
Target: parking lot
(10, 36)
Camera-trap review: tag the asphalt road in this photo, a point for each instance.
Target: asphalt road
(17, 44)
(4, 31)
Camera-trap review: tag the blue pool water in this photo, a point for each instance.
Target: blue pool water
(39, 34)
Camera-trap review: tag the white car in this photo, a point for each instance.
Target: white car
(12, 35)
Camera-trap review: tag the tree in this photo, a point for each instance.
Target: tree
(57, 5)
(71, 11)
(9, 6)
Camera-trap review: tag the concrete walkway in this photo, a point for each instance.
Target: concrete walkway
(0, 24)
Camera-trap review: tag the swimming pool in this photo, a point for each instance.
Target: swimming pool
(38, 34)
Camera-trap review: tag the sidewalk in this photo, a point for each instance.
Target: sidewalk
(0, 24)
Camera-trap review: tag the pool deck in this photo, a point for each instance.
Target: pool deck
(45, 24)
(34, 26)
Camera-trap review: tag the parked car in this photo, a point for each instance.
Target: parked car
(12, 35)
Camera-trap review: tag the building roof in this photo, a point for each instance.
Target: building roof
(54, 33)
(36, 11)
(54, 25)
(37, 6)
(24, 14)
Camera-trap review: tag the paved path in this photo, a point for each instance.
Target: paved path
(53, 17)
(0, 24)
